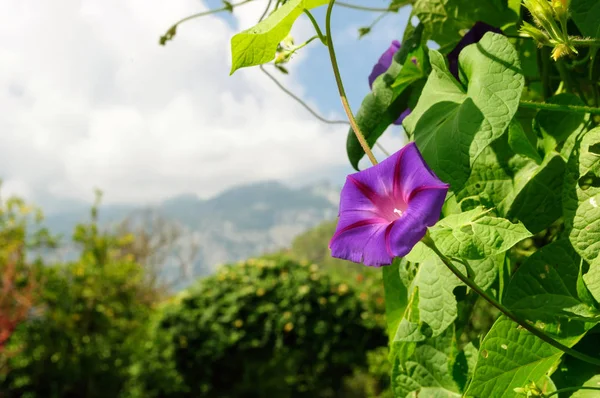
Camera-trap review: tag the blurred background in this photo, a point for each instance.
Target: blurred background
(132, 171)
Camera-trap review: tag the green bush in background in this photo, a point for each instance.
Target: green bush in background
(80, 336)
(277, 326)
(264, 327)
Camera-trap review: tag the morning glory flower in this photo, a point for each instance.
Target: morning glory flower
(472, 36)
(384, 62)
(385, 210)
(382, 66)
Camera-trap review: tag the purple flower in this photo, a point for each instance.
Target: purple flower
(382, 66)
(473, 36)
(384, 62)
(386, 209)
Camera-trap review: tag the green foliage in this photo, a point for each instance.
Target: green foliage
(509, 358)
(258, 44)
(454, 121)
(267, 327)
(474, 235)
(89, 311)
(521, 143)
(393, 92)
(586, 14)
(430, 369)
(544, 290)
(445, 19)
(581, 196)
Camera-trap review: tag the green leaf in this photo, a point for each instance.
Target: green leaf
(581, 196)
(592, 382)
(437, 303)
(258, 45)
(510, 357)
(574, 372)
(429, 371)
(485, 271)
(432, 308)
(446, 20)
(396, 297)
(520, 143)
(544, 291)
(390, 95)
(474, 235)
(592, 281)
(453, 124)
(539, 202)
(586, 14)
(583, 292)
(511, 184)
(561, 125)
(492, 180)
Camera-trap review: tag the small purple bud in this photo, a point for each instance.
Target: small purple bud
(384, 62)
(382, 66)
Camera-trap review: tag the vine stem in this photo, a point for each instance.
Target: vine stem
(322, 37)
(559, 108)
(336, 71)
(375, 9)
(584, 42)
(508, 313)
(299, 100)
(568, 389)
(204, 13)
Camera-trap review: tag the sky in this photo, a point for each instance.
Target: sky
(90, 100)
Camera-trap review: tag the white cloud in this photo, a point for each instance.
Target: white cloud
(89, 99)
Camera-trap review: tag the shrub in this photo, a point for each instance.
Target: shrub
(264, 327)
(79, 340)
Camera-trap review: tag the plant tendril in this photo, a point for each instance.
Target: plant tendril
(170, 33)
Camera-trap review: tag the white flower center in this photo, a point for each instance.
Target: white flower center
(399, 212)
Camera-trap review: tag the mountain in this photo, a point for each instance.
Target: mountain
(238, 223)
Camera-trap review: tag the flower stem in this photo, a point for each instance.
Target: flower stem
(338, 79)
(568, 389)
(508, 313)
(322, 37)
(559, 107)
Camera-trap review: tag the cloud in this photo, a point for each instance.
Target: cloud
(89, 99)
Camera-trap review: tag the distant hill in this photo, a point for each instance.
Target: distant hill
(238, 223)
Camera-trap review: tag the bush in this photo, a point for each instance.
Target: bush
(80, 337)
(265, 327)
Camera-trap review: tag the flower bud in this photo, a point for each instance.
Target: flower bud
(540, 37)
(561, 10)
(543, 16)
(561, 50)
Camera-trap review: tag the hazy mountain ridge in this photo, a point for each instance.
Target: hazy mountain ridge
(240, 222)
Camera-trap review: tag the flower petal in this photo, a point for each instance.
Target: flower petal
(473, 36)
(411, 172)
(357, 196)
(426, 203)
(384, 62)
(404, 234)
(402, 116)
(362, 242)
